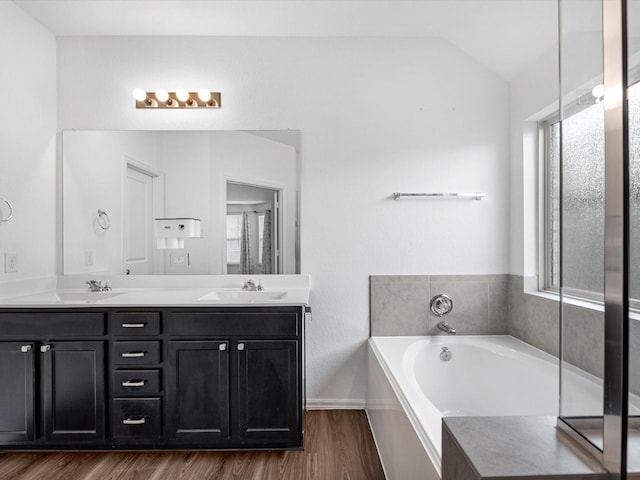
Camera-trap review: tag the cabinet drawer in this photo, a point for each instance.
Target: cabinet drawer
(135, 323)
(277, 324)
(131, 382)
(136, 353)
(52, 324)
(135, 418)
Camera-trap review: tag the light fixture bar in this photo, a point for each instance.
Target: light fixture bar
(180, 99)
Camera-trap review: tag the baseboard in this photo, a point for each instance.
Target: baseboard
(336, 404)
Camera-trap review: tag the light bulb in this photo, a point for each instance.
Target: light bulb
(204, 95)
(139, 94)
(162, 95)
(182, 95)
(598, 91)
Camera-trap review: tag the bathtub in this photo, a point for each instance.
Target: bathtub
(411, 389)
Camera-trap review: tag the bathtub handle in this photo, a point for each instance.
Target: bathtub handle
(441, 305)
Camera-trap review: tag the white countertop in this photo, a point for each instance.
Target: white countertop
(165, 291)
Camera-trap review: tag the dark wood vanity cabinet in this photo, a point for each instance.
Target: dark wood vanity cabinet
(226, 377)
(235, 377)
(52, 385)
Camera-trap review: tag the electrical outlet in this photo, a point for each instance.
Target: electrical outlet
(10, 262)
(88, 258)
(177, 259)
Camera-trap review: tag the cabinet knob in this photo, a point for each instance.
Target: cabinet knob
(134, 421)
(241, 346)
(25, 348)
(223, 347)
(45, 348)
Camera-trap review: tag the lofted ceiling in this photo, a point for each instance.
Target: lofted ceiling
(503, 35)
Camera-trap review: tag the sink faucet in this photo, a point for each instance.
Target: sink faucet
(250, 286)
(99, 286)
(446, 328)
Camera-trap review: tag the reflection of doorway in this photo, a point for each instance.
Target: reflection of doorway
(141, 196)
(253, 229)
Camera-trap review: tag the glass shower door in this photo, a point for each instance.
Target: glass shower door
(580, 168)
(633, 80)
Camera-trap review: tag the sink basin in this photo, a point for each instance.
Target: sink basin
(243, 295)
(86, 296)
(62, 296)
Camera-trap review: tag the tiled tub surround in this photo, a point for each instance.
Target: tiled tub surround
(399, 304)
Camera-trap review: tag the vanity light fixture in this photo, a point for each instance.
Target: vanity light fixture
(181, 98)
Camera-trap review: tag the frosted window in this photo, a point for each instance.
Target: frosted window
(583, 199)
(634, 190)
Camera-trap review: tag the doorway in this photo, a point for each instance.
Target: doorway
(253, 229)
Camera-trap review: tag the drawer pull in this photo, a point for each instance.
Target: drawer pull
(134, 325)
(134, 383)
(133, 354)
(134, 421)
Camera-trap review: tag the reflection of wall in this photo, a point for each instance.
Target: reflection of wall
(27, 145)
(93, 175)
(377, 115)
(247, 158)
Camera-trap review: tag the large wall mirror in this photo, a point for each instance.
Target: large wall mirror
(240, 188)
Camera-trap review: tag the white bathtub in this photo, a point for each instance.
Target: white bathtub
(409, 385)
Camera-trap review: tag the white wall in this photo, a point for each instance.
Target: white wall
(93, 178)
(27, 143)
(376, 115)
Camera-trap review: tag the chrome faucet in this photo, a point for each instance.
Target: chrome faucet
(446, 328)
(250, 286)
(99, 286)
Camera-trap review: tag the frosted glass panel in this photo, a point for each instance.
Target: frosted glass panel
(583, 199)
(633, 439)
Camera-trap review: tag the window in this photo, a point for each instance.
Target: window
(234, 228)
(582, 202)
(260, 235)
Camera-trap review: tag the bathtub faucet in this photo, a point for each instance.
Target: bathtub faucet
(446, 328)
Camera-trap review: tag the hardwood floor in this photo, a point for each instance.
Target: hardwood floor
(338, 445)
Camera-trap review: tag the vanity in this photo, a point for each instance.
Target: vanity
(141, 368)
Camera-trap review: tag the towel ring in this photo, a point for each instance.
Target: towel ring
(10, 216)
(102, 219)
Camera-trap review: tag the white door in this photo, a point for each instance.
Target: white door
(138, 232)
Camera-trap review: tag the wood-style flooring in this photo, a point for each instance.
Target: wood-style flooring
(338, 445)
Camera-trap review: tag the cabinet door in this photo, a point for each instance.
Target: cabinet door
(17, 401)
(197, 391)
(269, 411)
(74, 397)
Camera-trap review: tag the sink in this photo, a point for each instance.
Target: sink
(68, 296)
(243, 295)
(86, 296)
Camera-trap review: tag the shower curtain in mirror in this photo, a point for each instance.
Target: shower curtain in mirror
(266, 243)
(245, 245)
